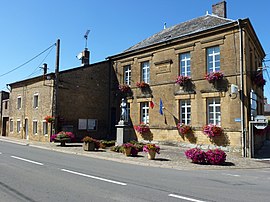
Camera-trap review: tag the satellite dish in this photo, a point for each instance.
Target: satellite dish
(79, 56)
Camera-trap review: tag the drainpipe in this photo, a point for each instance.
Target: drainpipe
(243, 137)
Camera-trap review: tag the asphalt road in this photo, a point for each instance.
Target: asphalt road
(33, 174)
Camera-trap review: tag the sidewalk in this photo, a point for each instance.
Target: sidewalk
(169, 157)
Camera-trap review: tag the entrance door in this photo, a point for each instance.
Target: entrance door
(26, 129)
(4, 126)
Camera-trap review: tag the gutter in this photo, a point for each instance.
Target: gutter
(243, 135)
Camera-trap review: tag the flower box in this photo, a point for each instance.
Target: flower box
(184, 129)
(212, 77)
(90, 144)
(212, 130)
(124, 88)
(213, 157)
(151, 150)
(142, 85)
(49, 119)
(182, 80)
(142, 128)
(258, 79)
(63, 137)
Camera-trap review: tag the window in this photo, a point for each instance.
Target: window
(19, 102)
(35, 104)
(6, 104)
(127, 75)
(145, 71)
(11, 125)
(45, 128)
(185, 111)
(213, 59)
(214, 113)
(127, 113)
(18, 126)
(145, 112)
(34, 127)
(185, 64)
(253, 103)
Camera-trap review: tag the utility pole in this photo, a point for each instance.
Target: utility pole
(55, 90)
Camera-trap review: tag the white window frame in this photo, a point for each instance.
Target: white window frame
(185, 111)
(11, 125)
(127, 75)
(214, 115)
(35, 100)
(144, 112)
(19, 102)
(185, 66)
(18, 126)
(127, 119)
(213, 53)
(35, 127)
(145, 71)
(45, 128)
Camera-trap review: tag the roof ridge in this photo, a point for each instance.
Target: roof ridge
(184, 28)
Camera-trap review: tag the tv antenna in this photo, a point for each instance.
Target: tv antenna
(86, 37)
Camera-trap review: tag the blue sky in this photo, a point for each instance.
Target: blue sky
(30, 26)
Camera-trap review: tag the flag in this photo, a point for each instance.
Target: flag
(160, 107)
(152, 104)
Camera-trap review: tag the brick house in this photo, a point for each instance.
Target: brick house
(82, 104)
(194, 48)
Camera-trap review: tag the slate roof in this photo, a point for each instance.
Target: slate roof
(189, 27)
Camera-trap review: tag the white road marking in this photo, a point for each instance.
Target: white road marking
(27, 160)
(94, 177)
(185, 198)
(234, 175)
(0, 152)
(266, 159)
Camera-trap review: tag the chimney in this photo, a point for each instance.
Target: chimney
(220, 9)
(85, 57)
(45, 68)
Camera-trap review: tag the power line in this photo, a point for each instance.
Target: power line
(35, 70)
(27, 61)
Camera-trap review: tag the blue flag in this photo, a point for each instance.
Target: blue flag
(160, 107)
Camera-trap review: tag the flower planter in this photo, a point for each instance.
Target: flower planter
(127, 151)
(151, 154)
(88, 146)
(62, 143)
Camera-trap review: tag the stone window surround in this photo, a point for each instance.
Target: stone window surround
(144, 109)
(19, 102)
(43, 128)
(35, 128)
(187, 106)
(213, 55)
(11, 125)
(18, 125)
(35, 100)
(146, 77)
(214, 106)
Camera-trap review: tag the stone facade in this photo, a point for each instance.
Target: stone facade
(163, 58)
(84, 94)
(30, 101)
(82, 104)
(3, 111)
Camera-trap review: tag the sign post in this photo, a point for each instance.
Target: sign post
(260, 122)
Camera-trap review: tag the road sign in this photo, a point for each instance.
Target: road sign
(260, 122)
